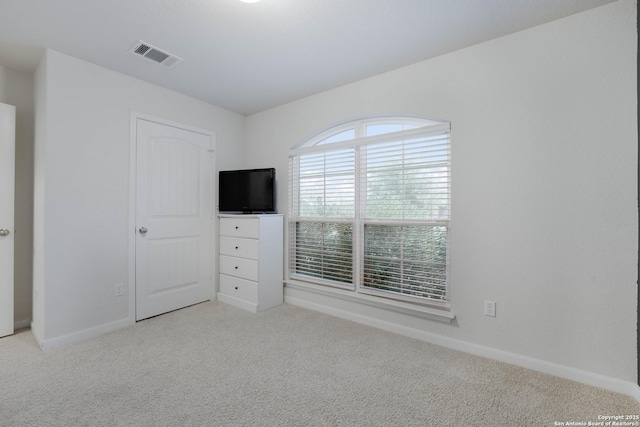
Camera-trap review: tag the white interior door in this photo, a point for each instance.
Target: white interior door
(174, 217)
(7, 177)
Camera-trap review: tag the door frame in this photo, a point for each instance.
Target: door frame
(7, 290)
(135, 116)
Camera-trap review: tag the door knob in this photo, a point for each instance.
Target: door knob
(143, 230)
(4, 232)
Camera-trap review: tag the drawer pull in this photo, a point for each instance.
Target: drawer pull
(236, 288)
(236, 227)
(236, 248)
(236, 267)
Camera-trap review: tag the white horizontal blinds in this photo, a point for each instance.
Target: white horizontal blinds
(326, 184)
(322, 212)
(406, 260)
(323, 251)
(407, 178)
(405, 208)
(380, 201)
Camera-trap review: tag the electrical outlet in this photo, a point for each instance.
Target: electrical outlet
(490, 308)
(119, 289)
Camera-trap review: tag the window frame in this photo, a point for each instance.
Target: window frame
(360, 125)
(358, 222)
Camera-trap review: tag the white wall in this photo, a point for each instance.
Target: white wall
(16, 88)
(82, 186)
(544, 134)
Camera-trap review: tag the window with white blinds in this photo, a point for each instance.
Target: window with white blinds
(371, 213)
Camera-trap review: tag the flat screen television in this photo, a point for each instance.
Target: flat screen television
(247, 191)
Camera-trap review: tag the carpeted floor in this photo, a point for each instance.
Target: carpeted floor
(216, 365)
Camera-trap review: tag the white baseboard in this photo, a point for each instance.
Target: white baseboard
(636, 392)
(237, 302)
(21, 324)
(567, 372)
(49, 344)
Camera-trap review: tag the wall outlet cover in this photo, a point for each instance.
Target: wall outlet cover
(490, 308)
(119, 289)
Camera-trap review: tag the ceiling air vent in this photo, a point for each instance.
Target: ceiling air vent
(148, 51)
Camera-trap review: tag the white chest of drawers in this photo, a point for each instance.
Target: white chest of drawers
(251, 261)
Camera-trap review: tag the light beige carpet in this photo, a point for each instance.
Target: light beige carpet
(215, 365)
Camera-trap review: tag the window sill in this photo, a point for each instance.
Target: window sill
(441, 315)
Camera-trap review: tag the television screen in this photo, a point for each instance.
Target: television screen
(247, 191)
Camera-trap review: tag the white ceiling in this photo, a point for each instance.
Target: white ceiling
(250, 57)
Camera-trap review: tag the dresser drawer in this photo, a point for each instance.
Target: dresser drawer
(240, 227)
(237, 246)
(239, 267)
(239, 288)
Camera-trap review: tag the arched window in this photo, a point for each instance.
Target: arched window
(369, 209)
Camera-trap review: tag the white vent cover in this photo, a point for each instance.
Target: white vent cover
(148, 51)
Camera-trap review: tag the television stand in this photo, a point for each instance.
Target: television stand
(251, 261)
